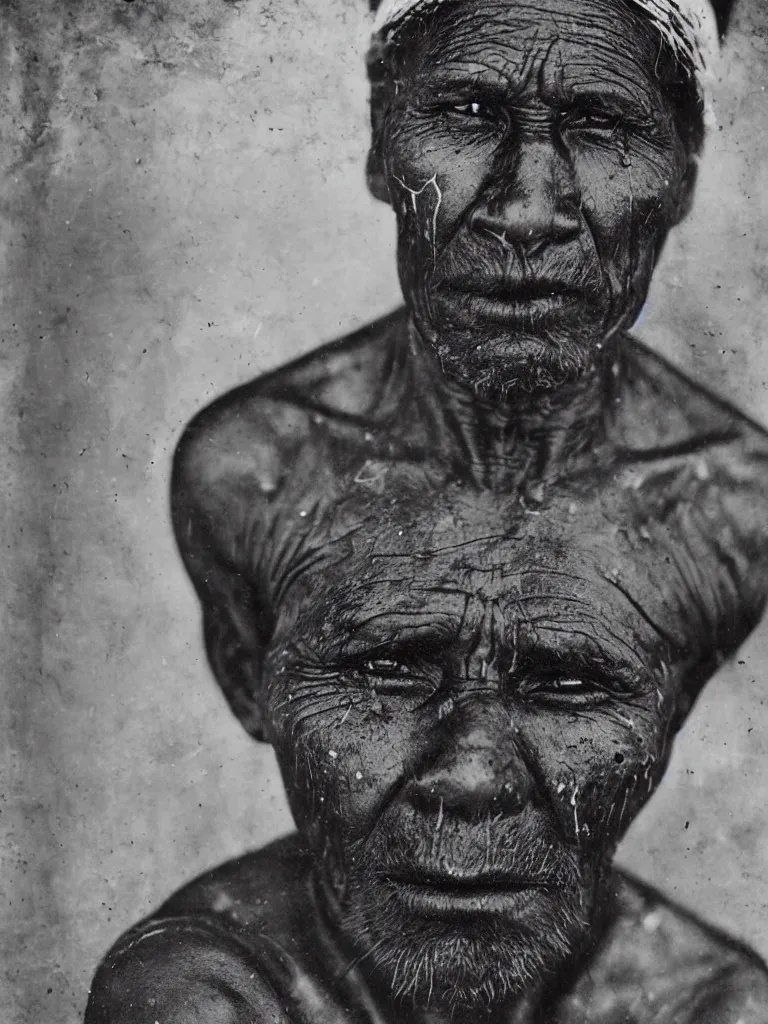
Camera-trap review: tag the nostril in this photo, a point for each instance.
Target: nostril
(511, 798)
(426, 796)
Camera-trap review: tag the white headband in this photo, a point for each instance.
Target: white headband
(687, 26)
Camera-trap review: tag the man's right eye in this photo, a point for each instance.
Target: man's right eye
(388, 667)
(387, 676)
(472, 109)
(475, 110)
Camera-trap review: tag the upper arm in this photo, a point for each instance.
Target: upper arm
(230, 470)
(737, 995)
(228, 480)
(180, 973)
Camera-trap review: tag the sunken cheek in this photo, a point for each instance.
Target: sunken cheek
(626, 200)
(457, 163)
(349, 763)
(599, 767)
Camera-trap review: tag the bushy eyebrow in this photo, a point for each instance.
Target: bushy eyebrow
(612, 102)
(403, 635)
(444, 80)
(495, 88)
(566, 649)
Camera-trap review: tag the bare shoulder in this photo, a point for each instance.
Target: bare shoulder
(181, 970)
(208, 955)
(239, 455)
(257, 426)
(662, 408)
(265, 890)
(687, 449)
(669, 967)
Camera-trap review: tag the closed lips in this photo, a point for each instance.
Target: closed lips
(469, 884)
(515, 291)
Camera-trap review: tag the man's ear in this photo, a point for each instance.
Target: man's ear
(235, 655)
(693, 682)
(682, 709)
(375, 174)
(687, 188)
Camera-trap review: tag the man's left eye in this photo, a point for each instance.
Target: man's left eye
(565, 690)
(594, 121)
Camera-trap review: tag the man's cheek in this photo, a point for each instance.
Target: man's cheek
(610, 797)
(432, 193)
(606, 771)
(626, 209)
(340, 773)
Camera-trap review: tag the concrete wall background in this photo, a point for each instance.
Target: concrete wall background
(183, 207)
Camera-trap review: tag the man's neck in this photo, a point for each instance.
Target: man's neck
(523, 432)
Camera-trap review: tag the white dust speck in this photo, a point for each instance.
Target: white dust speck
(652, 922)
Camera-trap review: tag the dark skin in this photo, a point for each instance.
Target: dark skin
(467, 571)
(536, 166)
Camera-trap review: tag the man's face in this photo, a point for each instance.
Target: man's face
(533, 162)
(463, 742)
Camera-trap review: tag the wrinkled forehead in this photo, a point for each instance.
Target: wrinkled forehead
(514, 595)
(555, 45)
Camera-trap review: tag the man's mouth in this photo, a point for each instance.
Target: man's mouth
(437, 894)
(508, 300)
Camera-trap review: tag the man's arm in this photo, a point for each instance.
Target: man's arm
(228, 482)
(188, 970)
(181, 971)
(736, 995)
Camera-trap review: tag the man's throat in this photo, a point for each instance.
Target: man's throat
(522, 436)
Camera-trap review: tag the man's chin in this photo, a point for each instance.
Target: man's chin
(454, 971)
(498, 364)
(481, 960)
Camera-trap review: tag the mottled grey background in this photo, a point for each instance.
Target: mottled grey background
(183, 207)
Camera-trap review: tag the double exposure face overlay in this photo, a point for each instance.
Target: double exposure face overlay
(531, 155)
(463, 764)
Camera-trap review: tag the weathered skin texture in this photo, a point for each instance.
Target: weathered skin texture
(467, 570)
(311, 511)
(531, 156)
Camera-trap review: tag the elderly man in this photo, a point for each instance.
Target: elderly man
(468, 569)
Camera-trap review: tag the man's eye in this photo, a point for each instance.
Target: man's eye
(386, 667)
(387, 676)
(474, 109)
(593, 121)
(566, 690)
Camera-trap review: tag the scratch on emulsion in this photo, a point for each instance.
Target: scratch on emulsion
(415, 194)
(575, 810)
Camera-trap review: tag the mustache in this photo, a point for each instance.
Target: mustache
(493, 851)
(500, 274)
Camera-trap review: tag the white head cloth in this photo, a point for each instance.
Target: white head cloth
(688, 27)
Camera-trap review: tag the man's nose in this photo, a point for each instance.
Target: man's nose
(477, 767)
(533, 199)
